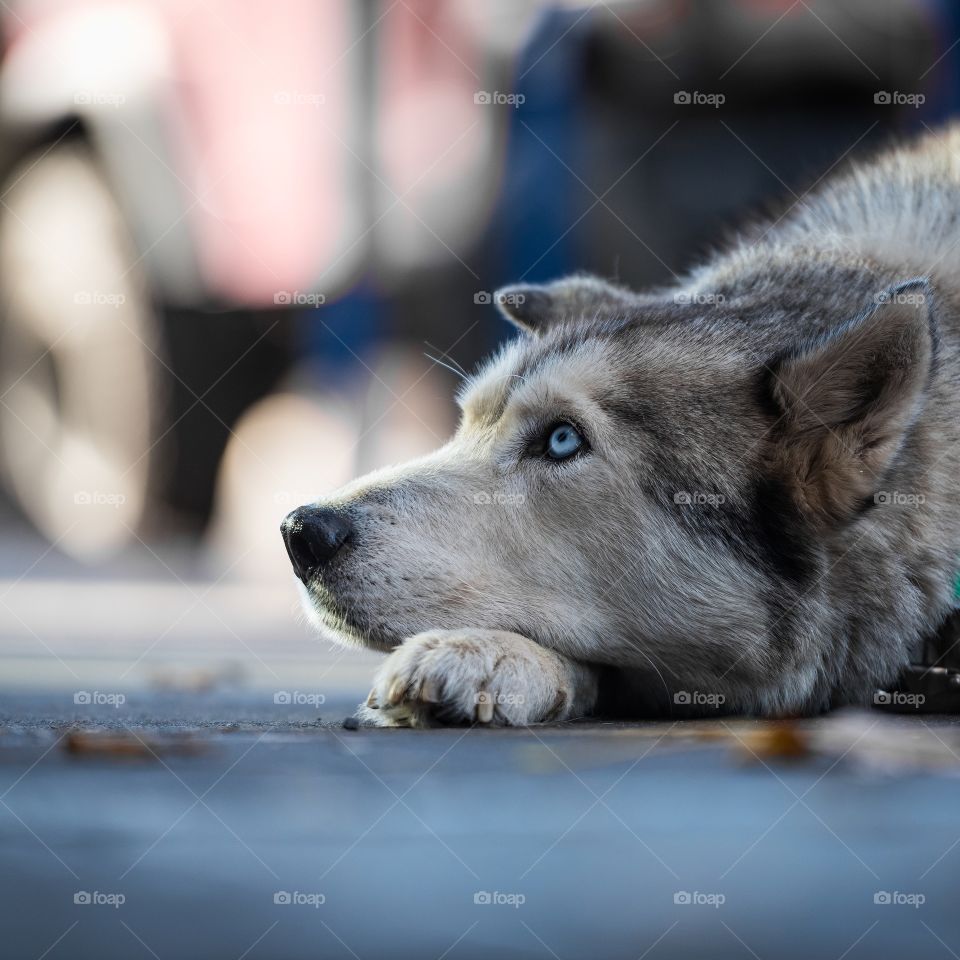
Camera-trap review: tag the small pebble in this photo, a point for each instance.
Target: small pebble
(351, 723)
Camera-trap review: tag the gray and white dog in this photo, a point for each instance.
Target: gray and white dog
(736, 490)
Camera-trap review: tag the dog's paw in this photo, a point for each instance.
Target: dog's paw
(473, 676)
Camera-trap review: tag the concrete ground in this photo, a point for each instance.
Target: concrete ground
(176, 782)
(219, 826)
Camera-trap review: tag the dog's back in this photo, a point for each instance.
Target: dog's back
(904, 207)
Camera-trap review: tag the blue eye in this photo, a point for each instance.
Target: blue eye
(564, 441)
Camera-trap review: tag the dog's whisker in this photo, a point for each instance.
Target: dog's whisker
(453, 370)
(447, 356)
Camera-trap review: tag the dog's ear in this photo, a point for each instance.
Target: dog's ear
(848, 400)
(535, 307)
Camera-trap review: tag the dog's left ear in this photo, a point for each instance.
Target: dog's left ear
(849, 399)
(535, 307)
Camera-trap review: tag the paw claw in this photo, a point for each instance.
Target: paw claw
(397, 691)
(484, 707)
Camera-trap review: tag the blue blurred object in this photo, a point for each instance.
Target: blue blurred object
(338, 335)
(542, 201)
(942, 82)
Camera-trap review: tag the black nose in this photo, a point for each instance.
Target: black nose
(312, 536)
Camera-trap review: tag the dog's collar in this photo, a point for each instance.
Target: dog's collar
(931, 685)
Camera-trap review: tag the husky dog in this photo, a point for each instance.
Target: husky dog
(738, 490)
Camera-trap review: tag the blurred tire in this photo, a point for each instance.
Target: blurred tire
(78, 364)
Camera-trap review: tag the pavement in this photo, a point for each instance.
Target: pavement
(223, 825)
(176, 782)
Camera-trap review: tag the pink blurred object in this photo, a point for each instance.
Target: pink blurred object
(263, 109)
(243, 107)
(239, 136)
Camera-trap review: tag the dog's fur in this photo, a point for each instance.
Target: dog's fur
(765, 516)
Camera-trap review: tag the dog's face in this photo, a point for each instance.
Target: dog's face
(620, 488)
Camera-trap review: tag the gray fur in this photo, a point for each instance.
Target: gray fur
(800, 387)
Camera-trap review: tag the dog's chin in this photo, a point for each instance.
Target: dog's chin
(339, 625)
(335, 629)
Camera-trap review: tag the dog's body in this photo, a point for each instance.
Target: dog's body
(758, 510)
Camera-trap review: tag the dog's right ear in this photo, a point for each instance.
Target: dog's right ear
(534, 307)
(848, 400)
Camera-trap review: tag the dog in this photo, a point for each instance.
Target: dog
(737, 490)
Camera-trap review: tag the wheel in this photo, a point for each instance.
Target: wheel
(78, 355)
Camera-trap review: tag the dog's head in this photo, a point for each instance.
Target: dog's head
(634, 480)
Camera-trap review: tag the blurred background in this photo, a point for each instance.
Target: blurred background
(241, 245)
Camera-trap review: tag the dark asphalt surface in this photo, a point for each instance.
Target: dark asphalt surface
(250, 829)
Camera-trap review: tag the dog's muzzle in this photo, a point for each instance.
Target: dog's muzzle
(313, 536)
